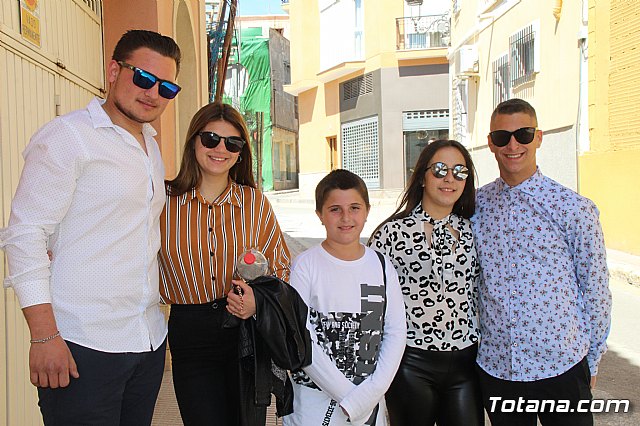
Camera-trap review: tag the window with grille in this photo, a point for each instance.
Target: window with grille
(501, 80)
(360, 150)
(357, 86)
(523, 55)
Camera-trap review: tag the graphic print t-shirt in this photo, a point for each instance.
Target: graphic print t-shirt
(350, 339)
(346, 301)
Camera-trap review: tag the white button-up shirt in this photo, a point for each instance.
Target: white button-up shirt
(90, 194)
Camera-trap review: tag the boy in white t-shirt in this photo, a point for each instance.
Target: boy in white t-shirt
(356, 315)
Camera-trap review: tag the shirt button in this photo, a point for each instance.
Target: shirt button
(210, 229)
(210, 207)
(514, 292)
(515, 345)
(513, 320)
(513, 265)
(211, 253)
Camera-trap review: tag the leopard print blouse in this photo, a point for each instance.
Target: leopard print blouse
(438, 274)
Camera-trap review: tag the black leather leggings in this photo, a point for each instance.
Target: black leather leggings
(435, 386)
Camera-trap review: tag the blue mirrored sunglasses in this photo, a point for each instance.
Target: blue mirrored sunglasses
(145, 80)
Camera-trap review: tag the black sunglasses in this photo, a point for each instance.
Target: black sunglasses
(145, 80)
(523, 135)
(211, 140)
(440, 170)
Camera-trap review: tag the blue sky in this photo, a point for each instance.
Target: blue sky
(260, 7)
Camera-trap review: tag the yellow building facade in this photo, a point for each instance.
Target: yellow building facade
(369, 76)
(609, 172)
(52, 60)
(529, 49)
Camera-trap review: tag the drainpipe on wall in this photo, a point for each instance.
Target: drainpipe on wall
(582, 122)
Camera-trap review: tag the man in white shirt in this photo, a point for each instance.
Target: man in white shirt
(91, 192)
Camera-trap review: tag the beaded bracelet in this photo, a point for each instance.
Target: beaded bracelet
(46, 339)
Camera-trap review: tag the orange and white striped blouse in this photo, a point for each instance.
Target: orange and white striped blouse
(201, 242)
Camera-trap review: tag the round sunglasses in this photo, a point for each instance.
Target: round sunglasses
(440, 170)
(523, 135)
(211, 140)
(145, 80)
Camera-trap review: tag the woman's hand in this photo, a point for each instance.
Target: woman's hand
(241, 305)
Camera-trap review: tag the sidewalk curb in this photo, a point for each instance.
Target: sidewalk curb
(626, 274)
(624, 266)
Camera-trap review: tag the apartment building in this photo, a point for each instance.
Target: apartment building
(372, 81)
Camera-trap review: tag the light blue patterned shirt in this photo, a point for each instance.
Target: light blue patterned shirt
(544, 293)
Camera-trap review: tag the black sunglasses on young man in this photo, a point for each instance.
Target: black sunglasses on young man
(440, 170)
(145, 80)
(211, 140)
(523, 135)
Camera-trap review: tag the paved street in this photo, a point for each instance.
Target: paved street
(619, 375)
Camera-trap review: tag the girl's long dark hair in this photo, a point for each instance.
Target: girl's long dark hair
(189, 175)
(412, 194)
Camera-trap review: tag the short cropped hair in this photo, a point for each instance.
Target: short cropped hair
(133, 40)
(514, 106)
(340, 179)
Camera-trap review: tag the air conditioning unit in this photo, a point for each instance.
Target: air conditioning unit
(466, 61)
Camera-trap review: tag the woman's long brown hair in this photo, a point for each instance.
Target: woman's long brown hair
(190, 175)
(412, 194)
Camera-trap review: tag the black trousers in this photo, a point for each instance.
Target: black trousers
(204, 359)
(113, 389)
(573, 386)
(435, 386)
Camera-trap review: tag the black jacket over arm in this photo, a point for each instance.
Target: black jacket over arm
(276, 341)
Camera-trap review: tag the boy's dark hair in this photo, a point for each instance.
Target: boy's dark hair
(133, 40)
(340, 179)
(514, 106)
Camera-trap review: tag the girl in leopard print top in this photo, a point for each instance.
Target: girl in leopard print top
(430, 243)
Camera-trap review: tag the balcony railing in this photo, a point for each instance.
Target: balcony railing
(423, 32)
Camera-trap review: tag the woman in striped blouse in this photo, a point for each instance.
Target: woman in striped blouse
(213, 213)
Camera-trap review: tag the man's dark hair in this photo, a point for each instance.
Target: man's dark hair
(340, 179)
(133, 40)
(514, 106)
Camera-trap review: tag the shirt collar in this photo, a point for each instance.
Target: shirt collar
(530, 186)
(425, 217)
(100, 118)
(231, 195)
